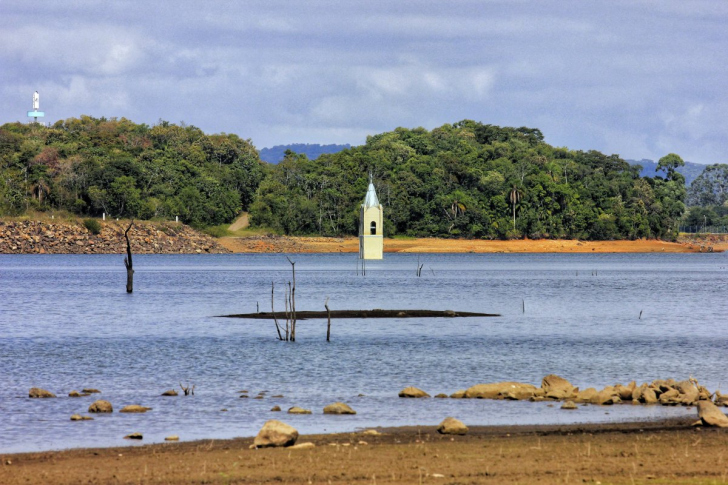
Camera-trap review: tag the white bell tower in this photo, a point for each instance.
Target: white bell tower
(371, 226)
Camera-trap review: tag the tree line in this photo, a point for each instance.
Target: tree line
(91, 166)
(466, 179)
(473, 180)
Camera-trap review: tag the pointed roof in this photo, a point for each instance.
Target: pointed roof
(371, 199)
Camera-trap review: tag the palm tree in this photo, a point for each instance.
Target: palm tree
(515, 197)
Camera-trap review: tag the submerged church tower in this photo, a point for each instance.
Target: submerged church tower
(371, 226)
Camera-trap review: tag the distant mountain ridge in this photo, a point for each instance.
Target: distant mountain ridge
(690, 171)
(276, 153)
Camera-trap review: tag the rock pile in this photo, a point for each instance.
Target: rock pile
(555, 388)
(667, 392)
(28, 237)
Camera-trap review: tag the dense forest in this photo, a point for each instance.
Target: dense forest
(467, 179)
(473, 180)
(113, 166)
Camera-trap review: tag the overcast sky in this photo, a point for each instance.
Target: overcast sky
(636, 78)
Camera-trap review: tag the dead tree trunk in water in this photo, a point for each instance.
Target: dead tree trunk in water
(273, 310)
(293, 301)
(328, 313)
(187, 390)
(128, 262)
(288, 314)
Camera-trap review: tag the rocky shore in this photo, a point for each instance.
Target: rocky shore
(72, 237)
(669, 451)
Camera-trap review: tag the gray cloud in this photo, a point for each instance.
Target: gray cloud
(637, 78)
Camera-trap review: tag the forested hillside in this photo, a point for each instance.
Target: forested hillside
(473, 180)
(463, 180)
(91, 166)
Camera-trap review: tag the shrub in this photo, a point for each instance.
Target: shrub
(92, 225)
(217, 231)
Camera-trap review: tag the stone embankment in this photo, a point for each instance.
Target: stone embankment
(37, 237)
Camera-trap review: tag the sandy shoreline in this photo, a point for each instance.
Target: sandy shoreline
(286, 244)
(668, 451)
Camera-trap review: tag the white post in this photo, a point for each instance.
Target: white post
(176, 218)
(103, 216)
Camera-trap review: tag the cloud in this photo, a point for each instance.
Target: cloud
(621, 77)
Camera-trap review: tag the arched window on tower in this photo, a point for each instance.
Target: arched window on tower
(373, 228)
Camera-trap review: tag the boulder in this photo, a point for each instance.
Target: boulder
(637, 392)
(90, 391)
(556, 387)
(412, 392)
(173, 437)
(649, 396)
(78, 417)
(670, 397)
(100, 406)
(625, 392)
(297, 410)
(569, 405)
(338, 408)
(441, 396)
(37, 392)
(451, 425)
(498, 390)
(606, 397)
(371, 432)
(689, 393)
(710, 415)
(74, 394)
(134, 408)
(171, 392)
(275, 408)
(134, 436)
(275, 433)
(458, 394)
(587, 395)
(720, 399)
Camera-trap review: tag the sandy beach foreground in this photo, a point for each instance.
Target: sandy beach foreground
(286, 244)
(630, 453)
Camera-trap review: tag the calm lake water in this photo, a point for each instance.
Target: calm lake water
(67, 323)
